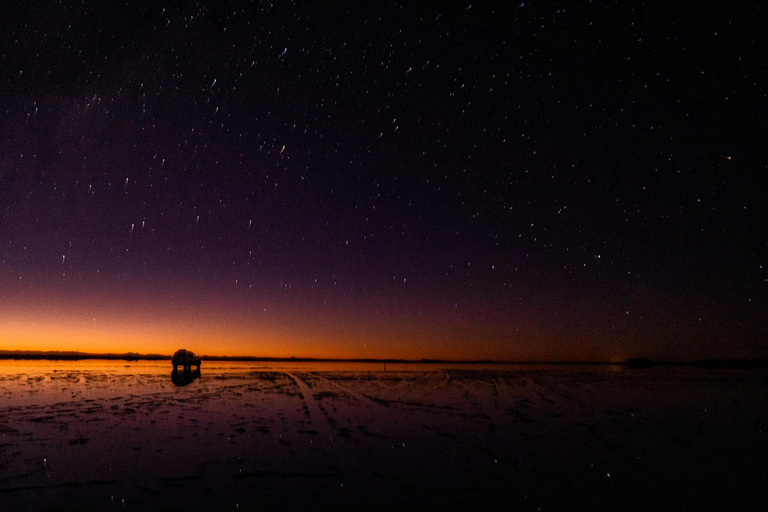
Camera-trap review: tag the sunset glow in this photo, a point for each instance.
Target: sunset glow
(388, 182)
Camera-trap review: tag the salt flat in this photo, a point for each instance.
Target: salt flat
(246, 436)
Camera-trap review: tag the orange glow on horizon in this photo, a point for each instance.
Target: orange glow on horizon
(118, 321)
(105, 321)
(223, 341)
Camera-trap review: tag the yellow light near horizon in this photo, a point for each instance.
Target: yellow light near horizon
(113, 324)
(119, 337)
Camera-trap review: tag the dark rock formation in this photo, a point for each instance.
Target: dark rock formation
(185, 360)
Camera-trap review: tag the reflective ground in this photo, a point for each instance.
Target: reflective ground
(111, 435)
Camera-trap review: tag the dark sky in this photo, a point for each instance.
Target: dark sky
(553, 180)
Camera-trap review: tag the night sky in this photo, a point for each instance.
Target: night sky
(531, 181)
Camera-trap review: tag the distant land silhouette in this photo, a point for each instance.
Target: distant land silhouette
(637, 362)
(74, 355)
(632, 363)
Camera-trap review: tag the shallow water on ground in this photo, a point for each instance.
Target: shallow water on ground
(102, 435)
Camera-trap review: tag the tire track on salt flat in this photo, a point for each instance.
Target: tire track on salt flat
(316, 415)
(360, 397)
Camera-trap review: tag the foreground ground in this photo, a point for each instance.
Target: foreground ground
(531, 438)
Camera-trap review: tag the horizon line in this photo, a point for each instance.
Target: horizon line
(633, 362)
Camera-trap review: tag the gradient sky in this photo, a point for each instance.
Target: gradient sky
(552, 180)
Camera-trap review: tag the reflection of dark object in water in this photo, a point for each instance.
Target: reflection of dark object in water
(185, 360)
(187, 376)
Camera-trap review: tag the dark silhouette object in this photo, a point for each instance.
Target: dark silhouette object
(185, 359)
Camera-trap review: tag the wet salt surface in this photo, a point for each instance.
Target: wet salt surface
(111, 435)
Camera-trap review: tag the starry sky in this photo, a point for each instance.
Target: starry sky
(526, 181)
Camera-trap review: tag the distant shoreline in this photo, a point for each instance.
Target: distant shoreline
(633, 363)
